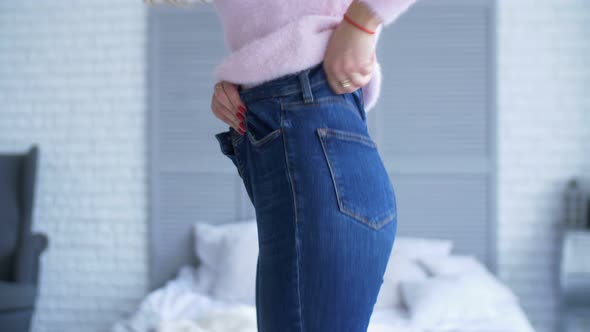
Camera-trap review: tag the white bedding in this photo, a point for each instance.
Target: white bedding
(425, 289)
(182, 306)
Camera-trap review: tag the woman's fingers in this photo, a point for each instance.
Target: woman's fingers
(368, 68)
(231, 92)
(222, 97)
(228, 106)
(226, 115)
(356, 80)
(334, 83)
(358, 74)
(359, 79)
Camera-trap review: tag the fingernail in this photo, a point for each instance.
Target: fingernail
(240, 116)
(242, 109)
(242, 126)
(241, 131)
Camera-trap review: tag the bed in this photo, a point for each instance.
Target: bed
(426, 288)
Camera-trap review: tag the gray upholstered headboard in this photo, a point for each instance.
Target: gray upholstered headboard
(434, 123)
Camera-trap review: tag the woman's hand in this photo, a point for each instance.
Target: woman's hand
(227, 105)
(350, 53)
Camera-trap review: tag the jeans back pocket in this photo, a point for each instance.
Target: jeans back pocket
(363, 187)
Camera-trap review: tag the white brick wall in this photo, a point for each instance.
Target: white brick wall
(544, 139)
(72, 79)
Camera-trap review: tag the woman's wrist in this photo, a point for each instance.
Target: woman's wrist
(362, 15)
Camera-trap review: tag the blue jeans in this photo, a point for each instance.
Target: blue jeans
(325, 206)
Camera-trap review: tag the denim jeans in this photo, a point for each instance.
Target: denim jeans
(325, 206)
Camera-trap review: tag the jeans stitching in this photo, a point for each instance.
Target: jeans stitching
(320, 132)
(266, 139)
(340, 99)
(350, 136)
(325, 100)
(297, 237)
(361, 104)
(246, 97)
(389, 216)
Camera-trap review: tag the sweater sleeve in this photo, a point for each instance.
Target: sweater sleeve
(388, 10)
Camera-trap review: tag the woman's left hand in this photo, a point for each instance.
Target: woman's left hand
(350, 54)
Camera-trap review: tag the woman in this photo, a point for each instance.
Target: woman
(294, 91)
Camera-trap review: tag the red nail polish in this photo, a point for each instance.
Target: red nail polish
(242, 126)
(241, 131)
(240, 116)
(242, 109)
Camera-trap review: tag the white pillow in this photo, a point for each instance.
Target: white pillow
(415, 247)
(447, 303)
(236, 277)
(403, 265)
(399, 268)
(208, 239)
(452, 266)
(229, 252)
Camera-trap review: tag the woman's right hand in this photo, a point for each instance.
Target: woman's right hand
(350, 53)
(227, 105)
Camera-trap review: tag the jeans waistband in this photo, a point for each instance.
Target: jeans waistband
(297, 83)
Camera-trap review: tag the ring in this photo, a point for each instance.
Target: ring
(345, 83)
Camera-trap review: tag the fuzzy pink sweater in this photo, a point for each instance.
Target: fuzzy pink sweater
(271, 38)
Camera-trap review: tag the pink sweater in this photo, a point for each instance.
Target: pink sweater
(271, 38)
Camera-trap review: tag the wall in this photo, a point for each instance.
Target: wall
(72, 76)
(544, 139)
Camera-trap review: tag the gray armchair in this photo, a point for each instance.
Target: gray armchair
(20, 249)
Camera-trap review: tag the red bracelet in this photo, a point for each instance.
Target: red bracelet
(349, 20)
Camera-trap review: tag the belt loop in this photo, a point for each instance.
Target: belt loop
(306, 86)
